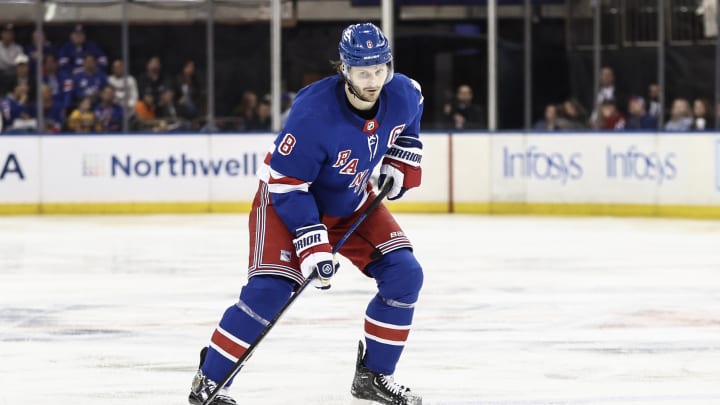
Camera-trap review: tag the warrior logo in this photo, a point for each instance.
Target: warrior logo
(369, 44)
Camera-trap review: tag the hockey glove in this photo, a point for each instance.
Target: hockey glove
(312, 247)
(402, 163)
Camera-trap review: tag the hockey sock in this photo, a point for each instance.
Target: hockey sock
(388, 317)
(241, 324)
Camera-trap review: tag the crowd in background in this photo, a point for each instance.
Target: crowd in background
(614, 111)
(617, 111)
(82, 91)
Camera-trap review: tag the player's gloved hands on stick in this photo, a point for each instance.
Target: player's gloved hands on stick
(402, 163)
(312, 247)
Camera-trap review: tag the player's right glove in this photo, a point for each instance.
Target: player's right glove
(313, 249)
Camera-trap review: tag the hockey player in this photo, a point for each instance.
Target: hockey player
(313, 186)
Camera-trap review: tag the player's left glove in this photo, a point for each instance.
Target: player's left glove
(312, 247)
(402, 163)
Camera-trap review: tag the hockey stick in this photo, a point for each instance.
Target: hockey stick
(241, 361)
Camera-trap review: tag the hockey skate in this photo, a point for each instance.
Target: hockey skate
(202, 387)
(378, 387)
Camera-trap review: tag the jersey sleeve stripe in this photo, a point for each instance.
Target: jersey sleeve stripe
(287, 188)
(278, 183)
(290, 181)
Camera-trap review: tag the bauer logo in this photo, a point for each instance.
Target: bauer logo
(633, 164)
(174, 166)
(540, 165)
(10, 167)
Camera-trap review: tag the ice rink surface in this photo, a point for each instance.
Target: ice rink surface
(514, 310)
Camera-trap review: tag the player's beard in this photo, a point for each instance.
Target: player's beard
(363, 95)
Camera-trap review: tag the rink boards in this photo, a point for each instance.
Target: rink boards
(587, 173)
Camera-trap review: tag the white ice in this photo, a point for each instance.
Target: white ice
(514, 310)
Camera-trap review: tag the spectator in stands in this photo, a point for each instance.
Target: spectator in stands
(153, 79)
(246, 110)
(572, 115)
(461, 112)
(6, 112)
(263, 116)
(680, 117)
(82, 119)
(60, 85)
(108, 114)
(72, 54)
(607, 85)
(33, 50)
(17, 111)
(653, 100)
(190, 92)
(22, 76)
(89, 81)
(607, 92)
(549, 121)
(53, 112)
(117, 81)
(9, 50)
(610, 118)
(170, 112)
(702, 115)
(145, 118)
(145, 107)
(639, 118)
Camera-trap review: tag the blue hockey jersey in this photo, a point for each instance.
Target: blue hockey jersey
(108, 119)
(88, 84)
(71, 58)
(12, 110)
(322, 160)
(61, 87)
